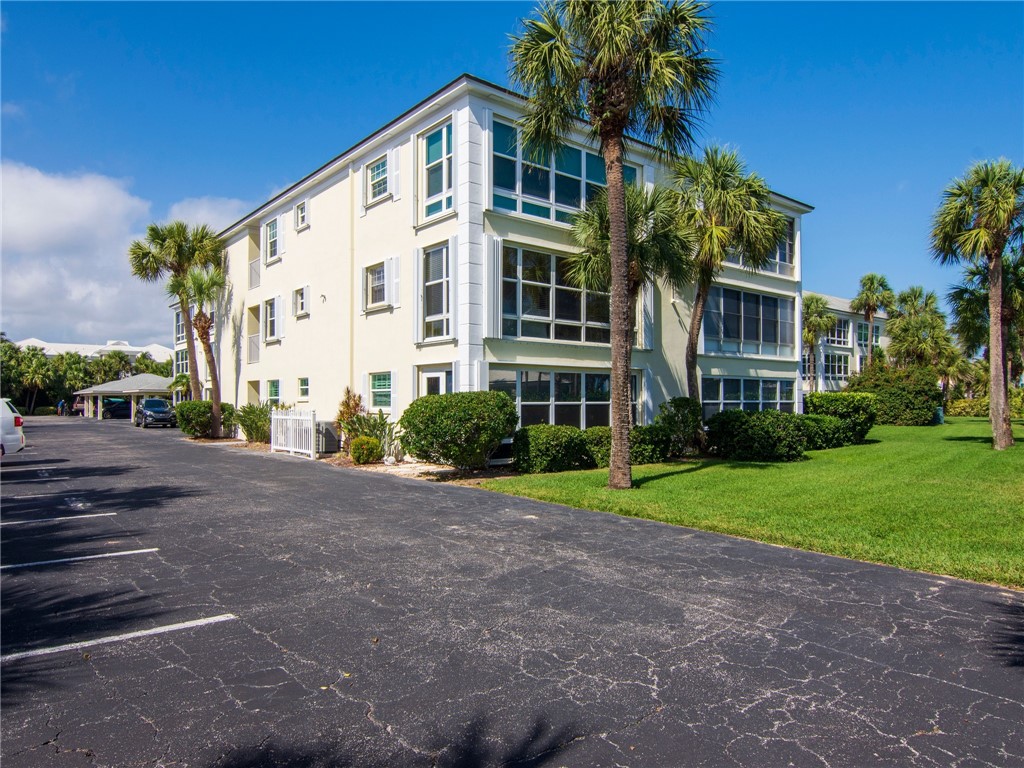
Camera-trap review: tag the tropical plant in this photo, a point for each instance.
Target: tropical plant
(637, 68)
(980, 220)
(918, 335)
(817, 321)
(351, 405)
(35, 373)
(378, 427)
(254, 419)
(729, 211)
(112, 366)
(70, 372)
(172, 250)
(10, 369)
(202, 288)
(180, 383)
(875, 294)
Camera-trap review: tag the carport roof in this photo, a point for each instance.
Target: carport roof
(139, 384)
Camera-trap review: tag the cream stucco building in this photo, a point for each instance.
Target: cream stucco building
(427, 259)
(844, 349)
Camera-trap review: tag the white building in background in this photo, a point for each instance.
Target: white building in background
(158, 352)
(844, 349)
(428, 258)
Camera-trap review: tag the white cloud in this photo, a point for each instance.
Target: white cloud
(218, 212)
(10, 109)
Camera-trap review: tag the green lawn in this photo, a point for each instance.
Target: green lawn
(935, 499)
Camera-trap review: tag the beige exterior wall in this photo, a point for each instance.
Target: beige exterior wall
(842, 354)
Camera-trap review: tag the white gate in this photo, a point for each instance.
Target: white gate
(293, 432)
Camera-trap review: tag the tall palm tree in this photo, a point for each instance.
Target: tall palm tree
(980, 218)
(632, 68)
(917, 330)
(203, 288)
(817, 321)
(35, 373)
(730, 212)
(657, 246)
(875, 294)
(171, 250)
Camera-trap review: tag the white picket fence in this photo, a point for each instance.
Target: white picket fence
(293, 432)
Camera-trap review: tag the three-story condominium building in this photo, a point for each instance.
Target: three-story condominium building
(844, 349)
(430, 258)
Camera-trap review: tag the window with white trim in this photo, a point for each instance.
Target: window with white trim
(554, 186)
(862, 334)
(806, 363)
(577, 398)
(301, 217)
(179, 326)
(781, 261)
(377, 179)
(741, 322)
(270, 320)
(723, 394)
(181, 362)
(274, 391)
(836, 366)
(436, 293)
(375, 286)
(380, 390)
(839, 334)
(300, 301)
(304, 388)
(438, 171)
(270, 238)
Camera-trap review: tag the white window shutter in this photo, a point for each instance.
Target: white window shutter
(279, 316)
(282, 227)
(363, 180)
(394, 284)
(418, 314)
(645, 401)
(308, 208)
(394, 391)
(492, 286)
(394, 177)
(647, 316)
(367, 399)
(388, 281)
(456, 371)
(453, 285)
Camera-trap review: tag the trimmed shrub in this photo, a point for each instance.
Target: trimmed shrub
(460, 429)
(681, 416)
(1017, 403)
(45, 410)
(825, 431)
(857, 409)
(599, 445)
(377, 426)
(195, 417)
(550, 448)
(977, 406)
(772, 436)
(649, 444)
(255, 422)
(905, 397)
(366, 450)
(725, 431)
(228, 420)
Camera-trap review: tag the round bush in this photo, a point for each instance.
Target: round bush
(649, 444)
(905, 397)
(550, 448)
(857, 409)
(460, 429)
(772, 436)
(599, 445)
(724, 432)
(825, 432)
(366, 450)
(681, 417)
(195, 417)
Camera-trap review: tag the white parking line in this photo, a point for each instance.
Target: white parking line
(76, 559)
(55, 519)
(39, 479)
(118, 638)
(35, 495)
(25, 469)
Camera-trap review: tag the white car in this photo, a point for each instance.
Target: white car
(12, 438)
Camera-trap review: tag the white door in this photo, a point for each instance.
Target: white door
(436, 382)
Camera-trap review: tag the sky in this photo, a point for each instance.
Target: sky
(116, 115)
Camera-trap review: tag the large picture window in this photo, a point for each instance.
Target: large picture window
(723, 394)
(837, 367)
(740, 322)
(438, 171)
(862, 335)
(538, 301)
(839, 334)
(577, 398)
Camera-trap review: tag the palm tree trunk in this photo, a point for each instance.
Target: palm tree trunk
(620, 475)
(869, 318)
(211, 364)
(190, 347)
(999, 411)
(700, 300)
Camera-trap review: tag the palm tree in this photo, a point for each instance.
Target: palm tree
(875, 294)
(730, 212)
(817, 321)
(658, 248)
(171, 250)
(203, 287)
(35, 373)
(982, 216)
(917, 329)
(632, 68)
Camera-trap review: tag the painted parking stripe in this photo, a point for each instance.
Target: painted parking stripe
(76, 559)
(119, 638)
(39, 479)
(55, 519)
(35, 495)
(25, 469)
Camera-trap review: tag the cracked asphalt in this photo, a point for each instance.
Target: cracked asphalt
(377, 621)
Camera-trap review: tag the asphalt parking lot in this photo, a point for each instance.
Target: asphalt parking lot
(172, 604)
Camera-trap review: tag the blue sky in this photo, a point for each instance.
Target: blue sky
(118, 114)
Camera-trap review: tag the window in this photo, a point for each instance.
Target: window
(578, 398)
(179, 327)
(380, 390)
(300, 301)
(720, 394)
(539, 303)
(377, 179)
(862, 334)
(806, 364)
(304, 388)
(550, 187)
(748, 323)
(270, 329)
(837, 367)
(780, 262)
(436, 293)
(301, 217)
(438, 171)
(270, 230)
(839, 334)
(181, 362)
(274, 391)
(375, 285)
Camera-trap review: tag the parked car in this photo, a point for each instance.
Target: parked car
(78, 407)
(153, 412)
(12, 436)
(118, 409)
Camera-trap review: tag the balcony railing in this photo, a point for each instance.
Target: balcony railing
(254, 348)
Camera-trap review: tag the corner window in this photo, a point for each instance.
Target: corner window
(300, 301)
(719, 394)
(740, 322)
(438, 171)
(301, 215)
(436, 293)
(862, 335)
(304, 388)
(274, 391)
(377, 179)
(839, 335)
(380, 390)
(376, 293)
(270, 328)
(577, 398)
(270, 233)
(179, 327)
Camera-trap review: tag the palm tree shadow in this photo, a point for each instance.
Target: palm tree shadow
(1008, 639)
(683, 469)
(969, 439)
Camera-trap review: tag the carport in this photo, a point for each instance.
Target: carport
(131, 388)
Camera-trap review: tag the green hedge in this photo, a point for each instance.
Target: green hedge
(858, 409)
(550, 448)
(45, 410)
(195, 418)
(366, 450)
(825, 431)
(977, 406)
(681, 417)
(905, 397)
(759, 436)
(599, 445)
(649, 444)
(460, 429)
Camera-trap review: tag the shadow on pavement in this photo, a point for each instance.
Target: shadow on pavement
(1008, 639)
